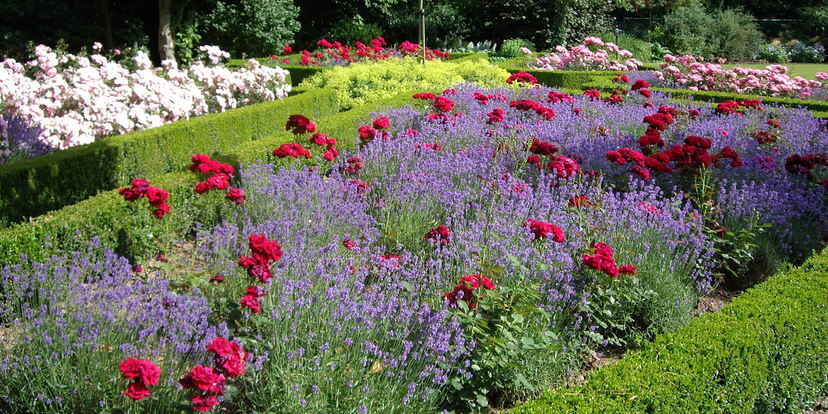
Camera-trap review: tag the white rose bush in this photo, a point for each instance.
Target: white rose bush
(75, 100)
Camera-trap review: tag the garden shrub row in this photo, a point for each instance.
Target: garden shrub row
(32, 187)
(570, 79)
(766, 352)
(605, 83)
(137, 236)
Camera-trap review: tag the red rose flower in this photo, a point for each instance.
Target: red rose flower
(236, 195)
(382, 123)
(440, 234)
(204, 379)
(204, 403)
(137, 391)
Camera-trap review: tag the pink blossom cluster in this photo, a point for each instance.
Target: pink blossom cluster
(695, 74)
(78, 99)
(592, 54)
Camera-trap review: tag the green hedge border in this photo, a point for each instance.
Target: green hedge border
(569, 79)
(766, 352)
(32, 187)
(129, 229)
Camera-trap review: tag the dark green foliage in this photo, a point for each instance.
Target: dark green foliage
(736, 36)
(353, 30)
(32, 187)
(511, 48)
(730, 33)
(766, 352)
(516, 353)
(251, 27)
(110, 218)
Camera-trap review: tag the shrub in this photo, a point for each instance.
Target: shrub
(360, 84)
(735, 35)
(728, 33)
(688, 30)
(773, 54)
(350, 31)
(763, 353)
(511, 48)
(257, 27)
(801, 52)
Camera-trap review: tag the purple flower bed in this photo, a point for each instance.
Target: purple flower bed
(469, 253)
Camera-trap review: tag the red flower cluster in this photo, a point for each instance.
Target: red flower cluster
(467, 289)
(542, 147)
(774, 123)
(528, 104)
(593, 94)
(286, 50)
(443, 104)
(495, 116)
(292, 150)
(639, 84)
(656, 123)
(803, 164)
(381, 123)
(429, 146)
(564, 167)
(623, 155)
(265, 253)
(251, 299)
(579, 201)
(230, 360)
(220, 175)
(329, 143)
(727, 107)
(728, 153)
(555, 97)
(157, 197)
(426, 96)
(616, 97)
(440, 234)
(354, 165)
(522, 77)
(765, 137)
(621, 78)
(483, 98)
(142, 373)
(300, 124)
(542, 229)
(604, 260)
(752, 104)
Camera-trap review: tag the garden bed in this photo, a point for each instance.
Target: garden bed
(466, 254)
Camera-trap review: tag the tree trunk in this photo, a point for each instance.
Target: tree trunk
(166, 43)
(102, 8)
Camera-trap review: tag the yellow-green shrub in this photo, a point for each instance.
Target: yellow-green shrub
(366, 82)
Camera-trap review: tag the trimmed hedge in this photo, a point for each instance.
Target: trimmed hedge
(32, 187)
(129, 229)
(605, 84)
(766, 352)
(570, 79)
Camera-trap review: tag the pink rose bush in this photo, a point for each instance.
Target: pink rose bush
(592, 54)
(76, 100)
(693, 73)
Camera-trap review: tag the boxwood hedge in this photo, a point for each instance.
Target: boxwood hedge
(766, 352)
